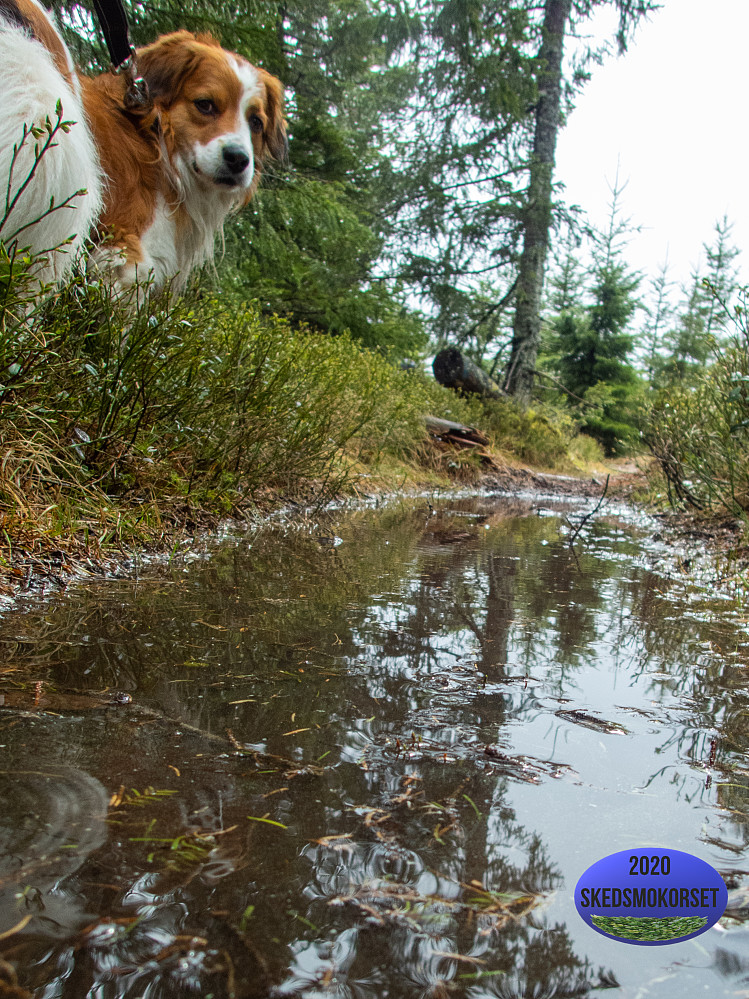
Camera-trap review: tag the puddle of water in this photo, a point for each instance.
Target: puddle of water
(368, 761)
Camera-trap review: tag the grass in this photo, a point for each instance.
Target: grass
(194, 401)
(122, 424)
(541, 436)
(205, 401)
(118, 427)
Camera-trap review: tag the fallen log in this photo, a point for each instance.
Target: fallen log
(455, 433)
(454, 370)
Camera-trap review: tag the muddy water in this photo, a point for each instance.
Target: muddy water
(369, 759)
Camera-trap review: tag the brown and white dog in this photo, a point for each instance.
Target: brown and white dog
(153, 188)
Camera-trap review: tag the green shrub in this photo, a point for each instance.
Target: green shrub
(614, 415)
(699, 433)
(197, 399)
(538, 436)
(585, 450)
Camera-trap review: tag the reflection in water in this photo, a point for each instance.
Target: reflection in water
(371, 770)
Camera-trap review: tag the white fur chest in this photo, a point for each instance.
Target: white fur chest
(182, 238)
(162, 259)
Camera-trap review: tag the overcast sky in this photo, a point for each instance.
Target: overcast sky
(672, 112)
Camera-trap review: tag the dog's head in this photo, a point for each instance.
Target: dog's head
(221, 117)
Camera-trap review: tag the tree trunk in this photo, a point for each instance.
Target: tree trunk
(454, 370)
(455, 433)
(537, 222)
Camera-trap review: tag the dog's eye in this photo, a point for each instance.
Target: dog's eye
(256, 124)
(205, 106)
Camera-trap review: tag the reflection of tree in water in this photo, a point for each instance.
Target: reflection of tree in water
(254, 616)
(520, 603)
(329, 662)
(511, 601)
(703, 661)
(380, 882)
(408, 914)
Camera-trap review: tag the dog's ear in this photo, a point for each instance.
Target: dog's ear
(166, 64)
(274, 134)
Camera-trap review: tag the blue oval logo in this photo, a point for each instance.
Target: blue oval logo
(651, 897)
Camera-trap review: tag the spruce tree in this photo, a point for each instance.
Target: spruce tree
(705, 309)
(594, 341)
(721, 278)
(659, 312)
(687, 343)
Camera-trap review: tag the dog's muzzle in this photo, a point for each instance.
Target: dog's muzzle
(235, 161)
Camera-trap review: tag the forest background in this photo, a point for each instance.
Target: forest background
(418, 209)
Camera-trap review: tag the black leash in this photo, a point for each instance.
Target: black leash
(113, 21)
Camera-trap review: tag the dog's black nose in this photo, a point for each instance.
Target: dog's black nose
(236, 159)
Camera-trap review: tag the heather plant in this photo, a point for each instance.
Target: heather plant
(699, 433)
(194, 399)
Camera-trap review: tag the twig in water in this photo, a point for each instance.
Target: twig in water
(583, 521)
